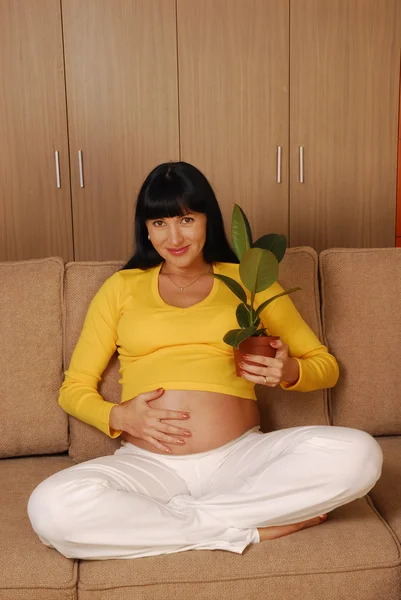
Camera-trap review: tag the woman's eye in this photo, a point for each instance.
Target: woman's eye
(158, 223)
(187, 220)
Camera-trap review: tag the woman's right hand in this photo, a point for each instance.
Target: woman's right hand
(137, 418)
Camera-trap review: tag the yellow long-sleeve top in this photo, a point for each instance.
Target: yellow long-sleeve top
(160, 345)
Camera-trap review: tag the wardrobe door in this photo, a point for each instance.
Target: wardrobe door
(344, 82)
(233, 89)
(398, 230)
(121, 74)
(35, 202)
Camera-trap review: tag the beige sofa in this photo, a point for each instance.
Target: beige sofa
(355, 554)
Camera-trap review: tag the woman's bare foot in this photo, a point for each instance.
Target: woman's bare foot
(276, 531)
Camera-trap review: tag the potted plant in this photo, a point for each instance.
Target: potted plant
(258, 270)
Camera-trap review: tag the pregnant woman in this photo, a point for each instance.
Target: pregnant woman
(193, 470)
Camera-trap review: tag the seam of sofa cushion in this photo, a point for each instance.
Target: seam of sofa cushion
(88, 263)
(71, 584)
(12, 263)
(318, 301)
(329, 251)
(311, 252)
(321, 260)
(72, 587)
(387, 526)
(63, 330)
(61, 288)
(321, 275)
(230, 578)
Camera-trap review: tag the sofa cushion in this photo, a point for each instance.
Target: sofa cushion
(361, 290)
(354, 554)
(31, 368)
(29, 569)
(82, 280)
(279, 408)
(386, 494)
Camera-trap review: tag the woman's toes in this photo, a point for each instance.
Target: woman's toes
(277, 531)
(312, 522)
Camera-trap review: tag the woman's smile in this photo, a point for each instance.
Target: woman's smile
(178, 251)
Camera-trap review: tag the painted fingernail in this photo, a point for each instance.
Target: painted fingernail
(180, 442)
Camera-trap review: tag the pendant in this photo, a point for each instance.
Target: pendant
(182, 289)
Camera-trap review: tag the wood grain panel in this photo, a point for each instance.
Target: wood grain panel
(121, 72)
(399, 119)
(398, 231)
(398, 226)
(35, 216)
(345, 68)
(233, 83)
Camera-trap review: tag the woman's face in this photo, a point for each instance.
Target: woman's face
(179, 240)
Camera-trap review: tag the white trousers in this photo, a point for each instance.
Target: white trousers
(138, 503)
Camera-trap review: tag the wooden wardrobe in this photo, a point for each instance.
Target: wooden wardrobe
(289, 107)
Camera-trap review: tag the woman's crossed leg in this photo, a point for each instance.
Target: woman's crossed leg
(136, 503)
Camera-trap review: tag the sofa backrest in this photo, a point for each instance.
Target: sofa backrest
(361, 309)
(279, 409)
(82, 280)
(31, 367)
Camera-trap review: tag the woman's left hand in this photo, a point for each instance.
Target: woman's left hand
(270, 371)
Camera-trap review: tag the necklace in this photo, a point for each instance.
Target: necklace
(182, 288)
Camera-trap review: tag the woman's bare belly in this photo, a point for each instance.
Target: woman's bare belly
(215, 420)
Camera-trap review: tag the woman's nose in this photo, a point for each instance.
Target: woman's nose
(175, 236)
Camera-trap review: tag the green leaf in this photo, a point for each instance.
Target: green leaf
(274, 242)
(236, 336)
(241, 236)
(266, 302)
(243, 315)
(258, 269)
(233, 285)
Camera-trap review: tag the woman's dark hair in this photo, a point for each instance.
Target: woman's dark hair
(175, 189)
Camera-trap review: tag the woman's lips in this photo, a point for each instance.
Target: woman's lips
(178, 251)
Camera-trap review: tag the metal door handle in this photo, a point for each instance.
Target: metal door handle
(81, 169)
(278, 164)
(58, 182)
(301, 164)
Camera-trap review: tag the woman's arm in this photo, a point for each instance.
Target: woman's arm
(318, 369)
(96, 345)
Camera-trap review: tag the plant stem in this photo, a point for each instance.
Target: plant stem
(252, 309)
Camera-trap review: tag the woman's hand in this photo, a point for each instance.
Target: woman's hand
(271, 371)
(137, 418)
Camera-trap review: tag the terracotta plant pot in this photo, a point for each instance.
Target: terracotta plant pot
(254, 345)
